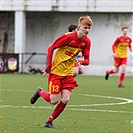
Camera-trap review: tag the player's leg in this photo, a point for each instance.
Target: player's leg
(115, 70)
(80, 70)
(65, 96)
(67, 84)
(51, 98)
(75, 71)
(123, 69)
(112, 71)
(53, 94)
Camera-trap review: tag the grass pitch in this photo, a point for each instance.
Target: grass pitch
(96, 106)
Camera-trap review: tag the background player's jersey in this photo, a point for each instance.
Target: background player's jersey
(64, 59)
(121, 45)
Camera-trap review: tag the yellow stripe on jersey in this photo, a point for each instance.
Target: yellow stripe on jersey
(121, 49)
(63, 63)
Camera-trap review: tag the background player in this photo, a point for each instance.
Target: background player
(60, 72)
(72, 28)
(119, 49)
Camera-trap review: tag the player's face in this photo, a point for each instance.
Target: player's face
(124, 32)
(84, 30)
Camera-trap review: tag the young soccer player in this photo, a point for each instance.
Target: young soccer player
(77, 66)
(119, 49)
(60, 72)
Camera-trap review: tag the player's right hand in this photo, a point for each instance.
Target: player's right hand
(114, 55)
(44, 73)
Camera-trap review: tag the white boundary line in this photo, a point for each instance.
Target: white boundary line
(75, 109)
(109, 111)
(26, 107)
(71, 107)
(126, 101)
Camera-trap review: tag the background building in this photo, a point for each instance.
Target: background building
(29, 26)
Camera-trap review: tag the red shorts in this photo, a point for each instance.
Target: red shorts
(75, 64)
(119, 61)
(57, 83)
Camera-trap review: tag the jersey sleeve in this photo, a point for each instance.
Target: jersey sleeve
(86, 55)
(115, 44)
(130, 46)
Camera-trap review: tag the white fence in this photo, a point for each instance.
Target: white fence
(67, 5)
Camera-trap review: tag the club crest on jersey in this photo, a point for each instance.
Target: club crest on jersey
(83, 43)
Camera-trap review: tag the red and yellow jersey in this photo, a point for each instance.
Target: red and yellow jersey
(68, 46)
(121, 46)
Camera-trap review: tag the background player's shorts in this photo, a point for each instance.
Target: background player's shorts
(77, 64)
(119, 61)
(57, 83)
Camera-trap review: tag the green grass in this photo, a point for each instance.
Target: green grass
(90, 113)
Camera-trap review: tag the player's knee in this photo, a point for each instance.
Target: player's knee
(55, 101)
(123, 70)
(65, 100)
(116, 70)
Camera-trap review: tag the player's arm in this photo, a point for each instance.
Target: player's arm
(86, 55)
(115, 45)
(130, 46)
(61, 41)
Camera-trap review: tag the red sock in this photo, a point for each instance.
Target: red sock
(57, 111)
(121, 78)
(111, 71)
(44, 95)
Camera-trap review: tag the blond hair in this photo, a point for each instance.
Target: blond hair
(85, 20)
